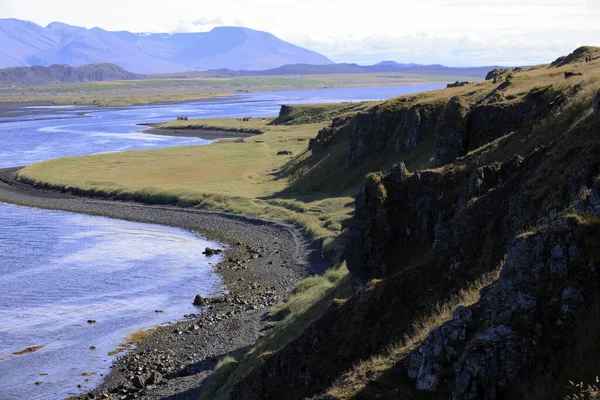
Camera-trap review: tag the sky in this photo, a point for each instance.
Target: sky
(449, 32)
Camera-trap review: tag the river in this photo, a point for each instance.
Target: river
(58, 270)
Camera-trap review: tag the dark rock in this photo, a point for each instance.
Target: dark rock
(154, 378)
(139, 381)
(210, 252)
(487, 353)
(401, 130)
(451, 135)
(91, 321)
(372, 234)
(495, 73)
(284, 153)
(457, 84)
(199, 300)
(285, 110)
(569, 74)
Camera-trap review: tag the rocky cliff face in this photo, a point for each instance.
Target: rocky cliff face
(485, 348)
(317, 144)
(424, 235)
(455, 126)
(402, 130)
(418, 238)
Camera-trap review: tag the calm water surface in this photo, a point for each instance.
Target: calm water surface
(58, 269)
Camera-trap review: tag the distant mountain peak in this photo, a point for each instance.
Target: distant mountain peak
(25, 44)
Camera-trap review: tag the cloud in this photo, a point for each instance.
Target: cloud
(463, 50)
(208, 21)
(202, 24)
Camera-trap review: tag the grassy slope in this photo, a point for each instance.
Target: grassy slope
(288, 189)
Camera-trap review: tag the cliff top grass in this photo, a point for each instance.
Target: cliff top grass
(315, 113)
(515, 83)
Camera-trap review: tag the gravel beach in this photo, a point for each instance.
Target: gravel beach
(263, 261)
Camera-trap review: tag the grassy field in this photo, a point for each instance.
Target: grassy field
(235, 176)
(119, 93)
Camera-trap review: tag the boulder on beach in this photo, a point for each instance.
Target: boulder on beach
(209, 251)
(199, 300)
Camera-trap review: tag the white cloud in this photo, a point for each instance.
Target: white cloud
(457, 32)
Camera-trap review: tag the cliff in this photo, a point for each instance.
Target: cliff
(473, 254)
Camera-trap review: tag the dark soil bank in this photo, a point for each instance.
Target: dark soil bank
(263, 262)
(208, 134)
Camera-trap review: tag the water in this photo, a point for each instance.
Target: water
(63, 269)
(58, 269)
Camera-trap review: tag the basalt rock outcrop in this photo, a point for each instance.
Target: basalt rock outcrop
(455, 127)
(401, 130)
(511, 212)
(451, 137)
(486, 347)
(418, 238)
(318, 143)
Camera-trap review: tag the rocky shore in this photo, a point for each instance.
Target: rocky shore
(262, 263)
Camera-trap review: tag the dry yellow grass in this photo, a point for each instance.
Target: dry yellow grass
(229, 175)
(356, 379)
(28, 350)
(229, 168)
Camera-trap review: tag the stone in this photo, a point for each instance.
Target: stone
(491, 343)
(210, 252)
(154, 378)
(451, 133)
(199, 300)
(139, 381)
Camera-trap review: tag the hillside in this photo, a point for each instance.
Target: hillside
(464, 225)
(27, 44)
(473, 73)
(473, 256)
(31, 76)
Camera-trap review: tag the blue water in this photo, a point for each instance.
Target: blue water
(59, 269)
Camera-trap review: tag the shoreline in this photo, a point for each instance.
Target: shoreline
(222, 96)
(262, 263)
(208, 134)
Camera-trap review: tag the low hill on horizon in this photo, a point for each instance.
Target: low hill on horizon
(61, 73)
(342, 68)
(27, 44)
